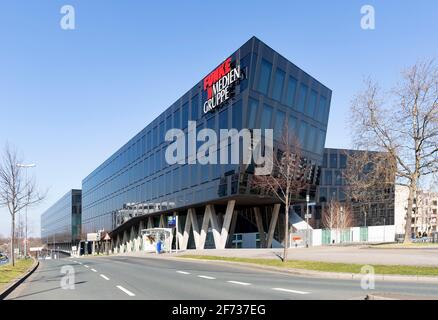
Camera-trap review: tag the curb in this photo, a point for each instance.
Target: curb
(19, 281)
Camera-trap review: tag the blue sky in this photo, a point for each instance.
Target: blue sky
(69, 99)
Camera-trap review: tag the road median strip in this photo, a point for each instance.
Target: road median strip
(12, 277)
(335, 269)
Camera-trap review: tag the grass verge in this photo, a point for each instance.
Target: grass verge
(405, 245)
(328, 266)
(9, 273)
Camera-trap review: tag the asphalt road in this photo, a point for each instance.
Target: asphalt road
(153, 278)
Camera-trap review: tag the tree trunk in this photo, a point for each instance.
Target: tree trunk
(408, 231)
(286, 231)
(13, 240)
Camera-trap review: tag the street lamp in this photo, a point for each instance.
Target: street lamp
(26, 166)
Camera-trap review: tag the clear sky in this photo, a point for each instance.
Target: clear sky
(70, 98)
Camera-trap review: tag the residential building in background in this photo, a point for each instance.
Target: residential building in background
(424, 215)
(61, 223)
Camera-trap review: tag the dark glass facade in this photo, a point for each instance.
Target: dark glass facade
(61, 223)
(137, 180)
(333, 186)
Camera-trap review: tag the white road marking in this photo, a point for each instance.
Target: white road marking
(207, 277)
(86, 266)
(94, 270)
(183, 272)
(291, 291)
(238, 282)
(105, 277)
(80, 262)
(129, 293)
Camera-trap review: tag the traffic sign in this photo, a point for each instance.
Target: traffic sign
(171, 221)
(308, 216)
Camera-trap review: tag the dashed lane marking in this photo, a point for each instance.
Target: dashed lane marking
(129, 293)
(104, 276)
(207, 277)
(241, 283)
(183, 272)
(290, 291)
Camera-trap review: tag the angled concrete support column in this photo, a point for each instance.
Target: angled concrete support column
(191, 222)
(161, 223)
(273, 224)
(229, 215)
(150, 223)
(139, 236)
(208, 217)
(259, 222)
(232, 230)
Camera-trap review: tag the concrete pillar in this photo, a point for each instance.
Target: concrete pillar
(232, 230)
(272, 225)
(150, 223)
(229, 214)
(259, 222)
(161, 223)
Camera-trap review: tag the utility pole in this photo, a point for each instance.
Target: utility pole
(307, 220)
(26, 166)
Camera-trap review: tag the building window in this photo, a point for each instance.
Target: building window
(310, 111)
(302, 98)
(324, 160)
(293, 127)
(333, 160)
(322, 194)
(223, 119)
(338, 178)
(265, 76)
(333, 194)
(279, 124)
(195, 111)
(303, 134)
(252, 113)
(176, 119)
(185, 114)
(342, 196)
(277, 92)
(291, 90)
(342, 161)
(321, 140)
(322, 110)
(237, 115)
(328, 177)
(267, 117)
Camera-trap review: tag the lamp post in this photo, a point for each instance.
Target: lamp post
(26, 166)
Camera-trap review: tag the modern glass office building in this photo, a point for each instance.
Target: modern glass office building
(333, 186)
(61, 223)
(265, 90)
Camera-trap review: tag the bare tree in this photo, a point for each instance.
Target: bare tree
(338, 216)
(291, 174)
(404, 123)
(16, 193)
(369, 179)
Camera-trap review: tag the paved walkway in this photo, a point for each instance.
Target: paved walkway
(350, 254)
